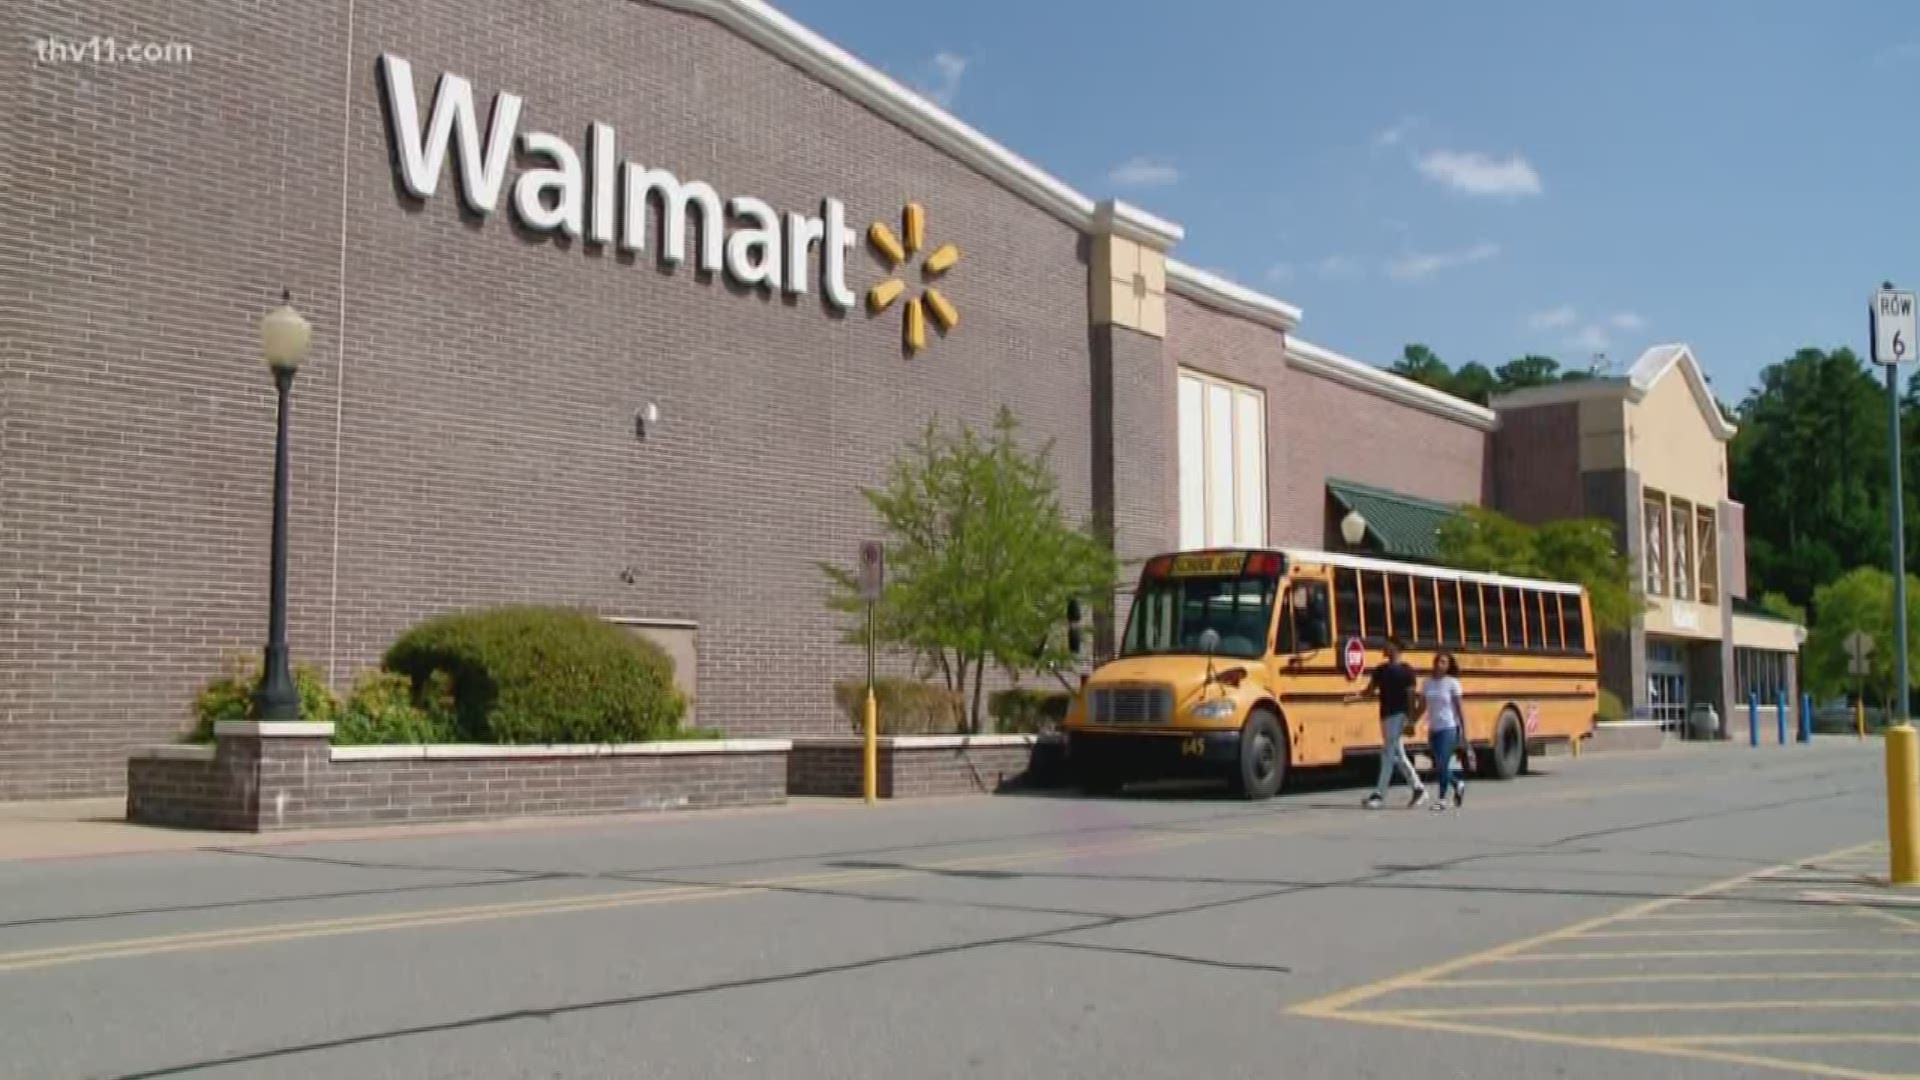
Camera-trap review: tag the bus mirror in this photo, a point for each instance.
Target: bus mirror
(1073, 611)
(1073, 638)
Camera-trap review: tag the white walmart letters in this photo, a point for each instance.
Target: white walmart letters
(602, 198)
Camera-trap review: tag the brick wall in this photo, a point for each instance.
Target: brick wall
(463, 433)
(262, 784)
(908, 768)
(1536, 455)
(1319, 429)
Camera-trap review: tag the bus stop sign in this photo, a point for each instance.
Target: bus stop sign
(873, 571)
(1355, 657)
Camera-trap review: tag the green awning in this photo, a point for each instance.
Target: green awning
(1398, 526)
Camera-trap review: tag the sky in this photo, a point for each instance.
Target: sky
(1487, 178)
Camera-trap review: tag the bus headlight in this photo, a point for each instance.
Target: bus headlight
(1219, 709)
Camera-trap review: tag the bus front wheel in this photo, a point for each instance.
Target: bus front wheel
(1507, 757)
(1262, 768)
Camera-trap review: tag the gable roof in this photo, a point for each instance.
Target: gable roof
(1654, 364)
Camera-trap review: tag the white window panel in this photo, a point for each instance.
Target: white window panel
(1223, 453)
(1193, 456)
(1220, 460)
(1250, 430)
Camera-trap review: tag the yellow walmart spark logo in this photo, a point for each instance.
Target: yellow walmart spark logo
(913, 222)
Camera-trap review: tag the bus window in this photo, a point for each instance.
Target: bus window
(1556, 639)
(1449, 612)
(1470, 605)
(1374, 600)
(1576, 625)
(1297, 633)
(1400, 602)
(1346, 602)
(1423, 605)
(1515, 604)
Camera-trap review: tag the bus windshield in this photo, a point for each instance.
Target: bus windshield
(1180, 599)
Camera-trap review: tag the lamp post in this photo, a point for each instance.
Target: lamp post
(284, 337)
(1353, 528)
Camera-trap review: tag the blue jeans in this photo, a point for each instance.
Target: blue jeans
(1444, 743)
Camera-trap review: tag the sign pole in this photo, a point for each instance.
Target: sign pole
(1894, 331)
(873, 578)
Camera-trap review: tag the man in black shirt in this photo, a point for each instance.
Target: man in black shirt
(1393, 682)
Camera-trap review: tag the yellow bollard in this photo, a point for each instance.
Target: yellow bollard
(872, 749)
(1903, 804)
(1860, 718)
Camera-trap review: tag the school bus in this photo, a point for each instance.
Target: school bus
(1236, 663)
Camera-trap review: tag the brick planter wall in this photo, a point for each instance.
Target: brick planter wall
(260, 777)
(920, 765)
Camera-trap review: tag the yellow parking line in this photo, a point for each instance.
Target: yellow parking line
(1587, 1008)
(1547, 958)
(1629, 1045)
(1811, 1038)
(1745, 931)
(1669, 977)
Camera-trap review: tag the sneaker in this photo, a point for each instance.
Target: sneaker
(1440, 805)
(1419, 796)
(1373, 801)
(1459, 795)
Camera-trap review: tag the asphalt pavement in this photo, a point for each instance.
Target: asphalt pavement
(1697, 912)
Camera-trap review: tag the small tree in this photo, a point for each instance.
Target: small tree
(980, 559)
(1862, 600)
(1579, 551)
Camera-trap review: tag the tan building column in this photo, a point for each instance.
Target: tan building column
(1135, 468)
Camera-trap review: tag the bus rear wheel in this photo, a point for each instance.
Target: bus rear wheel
(1507, 757)
(1262, 769)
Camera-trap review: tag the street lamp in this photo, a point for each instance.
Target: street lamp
(1353, 528)
(284, 337)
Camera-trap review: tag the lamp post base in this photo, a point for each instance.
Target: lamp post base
(277, 697)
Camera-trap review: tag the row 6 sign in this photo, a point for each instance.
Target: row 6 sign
(1894, 326)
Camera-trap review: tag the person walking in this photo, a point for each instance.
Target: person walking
(1445, 713)
(1393, 682)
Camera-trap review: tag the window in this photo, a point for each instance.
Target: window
(1756, 671)
(1400, 600)
(1223, 454)
(1294, 629)
(1470, 605)
(1576, 624)
(1550, 621)
(1680, 538)
(1449, 612)
(1170, 614)
(1515, 603)
(1423, 605)
(1346, 602)
(1653, 514)
(1707, 555)
(1374, 599)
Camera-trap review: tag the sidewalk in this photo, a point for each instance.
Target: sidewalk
(83, 828)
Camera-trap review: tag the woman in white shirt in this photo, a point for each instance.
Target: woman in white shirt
(1445, 726)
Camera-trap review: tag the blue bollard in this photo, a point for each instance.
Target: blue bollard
(1783, 718)
(1753, 717)
(1806, 718)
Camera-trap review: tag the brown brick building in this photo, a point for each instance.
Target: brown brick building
(480, 207)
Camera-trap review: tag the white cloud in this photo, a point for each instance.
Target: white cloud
(1628, 321)
(1282, 273)
(1475, 173)
(1554, 319)
(949, 69)
(1416, 265)
(1144, 172)
(1396, 134)
(1339, 266)
(1592, 337)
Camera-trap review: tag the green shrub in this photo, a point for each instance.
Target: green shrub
(229, 696)
(541, 675)
(382, 710)
(1021, 710)
(1609, 707)
(906, 707)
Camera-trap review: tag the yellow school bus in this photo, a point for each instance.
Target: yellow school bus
(1237, 663)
